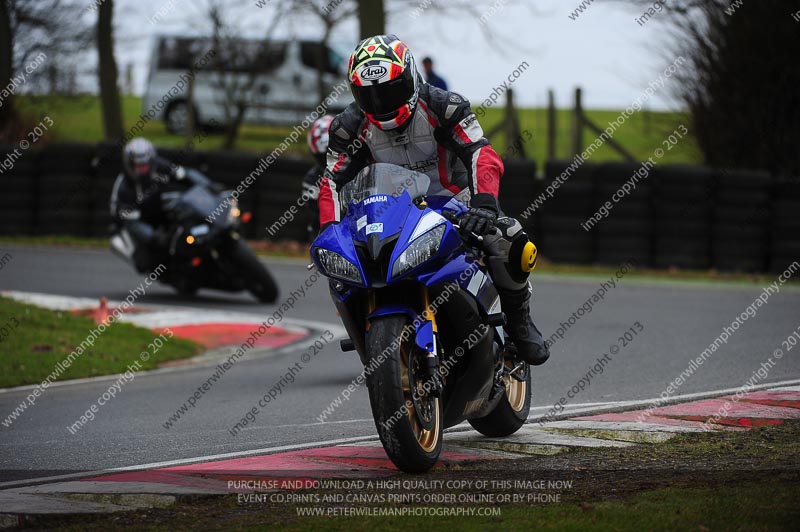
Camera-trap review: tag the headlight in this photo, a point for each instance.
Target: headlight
(233, 210)
(337, 266)
(420, 250)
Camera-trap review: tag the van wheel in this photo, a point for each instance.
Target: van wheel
(177, 117)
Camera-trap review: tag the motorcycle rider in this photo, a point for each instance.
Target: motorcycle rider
(136, 199)
(398, 118)
(318, 145)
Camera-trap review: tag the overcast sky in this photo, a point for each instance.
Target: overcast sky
(604, 50)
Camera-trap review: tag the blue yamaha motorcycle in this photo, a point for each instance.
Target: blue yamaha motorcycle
(423, 315)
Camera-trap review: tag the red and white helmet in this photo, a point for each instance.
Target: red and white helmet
(384, 81)
(318, 137)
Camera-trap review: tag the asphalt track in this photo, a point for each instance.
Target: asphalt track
(680, 320)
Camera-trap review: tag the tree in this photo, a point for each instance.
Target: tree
(742, 80)
(37, 51)
(371, 18)
(238, 62)
(6, 64)
(330, 15)
(107, 73)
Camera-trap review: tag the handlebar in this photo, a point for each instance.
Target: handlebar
(453, 219)
(472, 236)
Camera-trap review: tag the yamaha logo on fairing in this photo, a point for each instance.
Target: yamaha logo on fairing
(371, 73)
(375, 199)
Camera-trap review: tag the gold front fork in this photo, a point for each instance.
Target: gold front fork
(430, 314)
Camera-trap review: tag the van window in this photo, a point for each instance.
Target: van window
(310, 53)
(246, 56)
(178, 53)
(239, 55)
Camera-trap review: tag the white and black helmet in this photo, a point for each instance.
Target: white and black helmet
(138, 158)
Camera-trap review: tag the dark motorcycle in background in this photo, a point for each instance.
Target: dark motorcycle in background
(205, 249)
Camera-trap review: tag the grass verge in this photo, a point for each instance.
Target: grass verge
(709, 481)
(34, 340)
(78, 119)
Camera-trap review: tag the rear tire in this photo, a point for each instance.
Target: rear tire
(185, 288)
(512, 411)
(410, 446)
(259, 281)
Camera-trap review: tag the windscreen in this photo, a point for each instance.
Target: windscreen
(199, 202)
(382, 178)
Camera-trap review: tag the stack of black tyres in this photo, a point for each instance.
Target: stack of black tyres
(626, 234)
(65, 191)
(106, 166)
(562, 237)
(741, 228)
(518, 188)
(19, 185)
(683, 209)
(785, 233)
(232, 169)
(281, 189)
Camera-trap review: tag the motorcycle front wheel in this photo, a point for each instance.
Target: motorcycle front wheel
(260, 282)
(408, 419)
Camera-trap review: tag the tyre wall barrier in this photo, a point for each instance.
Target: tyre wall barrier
(672, 216)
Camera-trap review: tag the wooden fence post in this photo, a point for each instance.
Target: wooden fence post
(577, 124)
(551, 125)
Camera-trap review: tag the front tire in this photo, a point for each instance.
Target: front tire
(411, 438)
(260, 282)
(512, 411)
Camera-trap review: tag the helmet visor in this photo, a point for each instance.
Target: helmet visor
(385, 98)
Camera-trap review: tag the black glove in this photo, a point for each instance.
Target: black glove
(478, 221)
(481, 216)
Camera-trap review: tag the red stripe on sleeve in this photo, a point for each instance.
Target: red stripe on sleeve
(327, 206)
(462, 134)
(488, 171)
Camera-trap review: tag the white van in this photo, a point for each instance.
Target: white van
(283, 91)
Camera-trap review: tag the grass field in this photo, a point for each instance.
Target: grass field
(78, 119)
(34, 340)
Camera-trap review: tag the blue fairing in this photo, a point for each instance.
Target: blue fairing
(393, 221)
(388, 212)
(386, 216)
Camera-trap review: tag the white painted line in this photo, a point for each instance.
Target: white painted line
(645, 403)
(787, 389)
(328, 443)
(188, 461)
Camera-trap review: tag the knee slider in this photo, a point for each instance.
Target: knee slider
(522, 256)
(529, 256)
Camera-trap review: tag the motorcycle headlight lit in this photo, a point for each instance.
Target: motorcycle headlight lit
(233, 211)
(337, 266)
(420, 250)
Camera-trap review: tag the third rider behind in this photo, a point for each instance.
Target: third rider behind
(399, 119)
(318, 145)
(136, 199)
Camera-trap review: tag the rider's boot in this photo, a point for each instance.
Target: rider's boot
(511, 256)
(520, 328)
